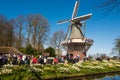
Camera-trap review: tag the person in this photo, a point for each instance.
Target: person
(14, 60)
(55, 60)
(23, 58)
(40, 59)
(27, 60)
(62, 60)
(34, 61)
(45, 61)
(20, 61)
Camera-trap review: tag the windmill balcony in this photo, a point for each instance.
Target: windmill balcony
(82, 40)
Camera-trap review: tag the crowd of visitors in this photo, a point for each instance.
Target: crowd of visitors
(30, 59)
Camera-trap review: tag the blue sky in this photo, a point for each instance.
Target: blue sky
(102, 30)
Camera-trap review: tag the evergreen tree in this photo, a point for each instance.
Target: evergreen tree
(51, 51)
(29, 50)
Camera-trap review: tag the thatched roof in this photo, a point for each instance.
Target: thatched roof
(9, 50)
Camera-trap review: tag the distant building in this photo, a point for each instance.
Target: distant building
(8, 50)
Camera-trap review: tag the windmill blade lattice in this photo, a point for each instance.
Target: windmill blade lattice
(63, 21)
(75, 9)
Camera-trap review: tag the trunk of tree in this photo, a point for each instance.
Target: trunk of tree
(34, 37)
(28, 38)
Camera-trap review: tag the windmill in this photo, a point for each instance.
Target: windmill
(75, 41)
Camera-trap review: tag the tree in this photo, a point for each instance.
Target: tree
(22, 49)
(40, 31)
(6, 31)
(33, 29)
(10, 33)
(29, 26)
(51, 51)
(3, 20)
(29, 50)
(111, 6)
(19, 28)
(56, 39)
(116, 49)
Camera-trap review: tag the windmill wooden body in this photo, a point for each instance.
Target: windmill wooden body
(75, 41)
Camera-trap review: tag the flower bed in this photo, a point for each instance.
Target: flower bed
(37, 71)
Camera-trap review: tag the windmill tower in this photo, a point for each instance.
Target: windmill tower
(75, 41)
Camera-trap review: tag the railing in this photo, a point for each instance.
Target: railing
(81, 40)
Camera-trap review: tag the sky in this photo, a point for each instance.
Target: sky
(103, 30)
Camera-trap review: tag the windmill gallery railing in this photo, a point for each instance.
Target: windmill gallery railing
(80, 45)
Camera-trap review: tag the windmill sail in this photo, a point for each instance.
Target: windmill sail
(67, 34)
(75, 9)
(82, 18)
(63, 21)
